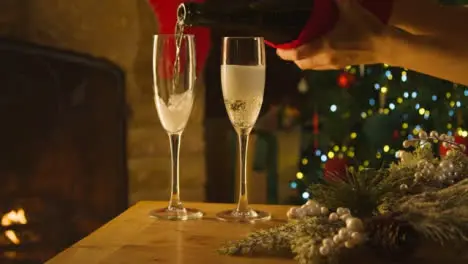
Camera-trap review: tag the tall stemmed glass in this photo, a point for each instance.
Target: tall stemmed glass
(174, 76)
(243, 83)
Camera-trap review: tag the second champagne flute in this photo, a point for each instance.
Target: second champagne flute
(243, 84)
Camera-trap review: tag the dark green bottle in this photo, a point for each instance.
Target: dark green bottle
(274, 24)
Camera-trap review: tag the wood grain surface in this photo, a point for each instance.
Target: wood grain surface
(134, 237)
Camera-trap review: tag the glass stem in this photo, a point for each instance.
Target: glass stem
(243, 204)
(175, 202)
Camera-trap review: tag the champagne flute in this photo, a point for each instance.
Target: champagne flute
(174, 77)
(243, 84)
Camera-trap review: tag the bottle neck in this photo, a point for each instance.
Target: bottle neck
(195, 14)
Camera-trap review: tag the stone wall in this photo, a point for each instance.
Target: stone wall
(120, 31)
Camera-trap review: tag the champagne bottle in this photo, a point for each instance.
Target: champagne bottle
(283, 23)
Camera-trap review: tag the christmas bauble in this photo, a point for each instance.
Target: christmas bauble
(458, 139)
(335, 169)
(346, 79)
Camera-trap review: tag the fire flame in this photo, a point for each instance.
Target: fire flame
(17, 217)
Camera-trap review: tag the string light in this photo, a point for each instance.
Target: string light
(414, 95)
(305, 195)
(353, 135)
(427, 114)
(305, 161)
(399, 100)
(331, 155)
(386, 148)
(405, 94)
(404, 77)
(333, 108)
(384, 90)
(389, 75)
(434, 98)
(448, 95)
(299, 175)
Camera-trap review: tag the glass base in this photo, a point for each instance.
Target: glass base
(176, 214)
(250, 216)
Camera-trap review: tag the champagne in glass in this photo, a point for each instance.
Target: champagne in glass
(243, 84)
(174, 81)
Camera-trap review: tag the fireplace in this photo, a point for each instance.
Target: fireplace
(62, 149)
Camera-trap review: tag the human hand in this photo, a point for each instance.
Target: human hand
(356, 39)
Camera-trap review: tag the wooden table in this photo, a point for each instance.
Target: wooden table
(135, 238)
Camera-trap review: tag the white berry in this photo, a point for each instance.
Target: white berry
(422, 134)
(324, 250)
(343, 234)
(354, 224)
(356, 237)
(407, 144)
(312, 211)
(328, 242)
(324, 210)
(349, 244)
(337, 239)
(333, 217)
(345, 216)
(294, 212)
(340, 210)
(311, 203)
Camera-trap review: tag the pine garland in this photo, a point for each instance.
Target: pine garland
(421, 199)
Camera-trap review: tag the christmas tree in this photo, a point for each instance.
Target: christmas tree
(358, 118)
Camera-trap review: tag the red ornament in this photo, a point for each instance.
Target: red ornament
(315, 124)
(396, 134)
(166, 13)
(458, 139)
(335, 169)
(346, 79)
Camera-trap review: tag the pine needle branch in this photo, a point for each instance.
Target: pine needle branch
(441, 216)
